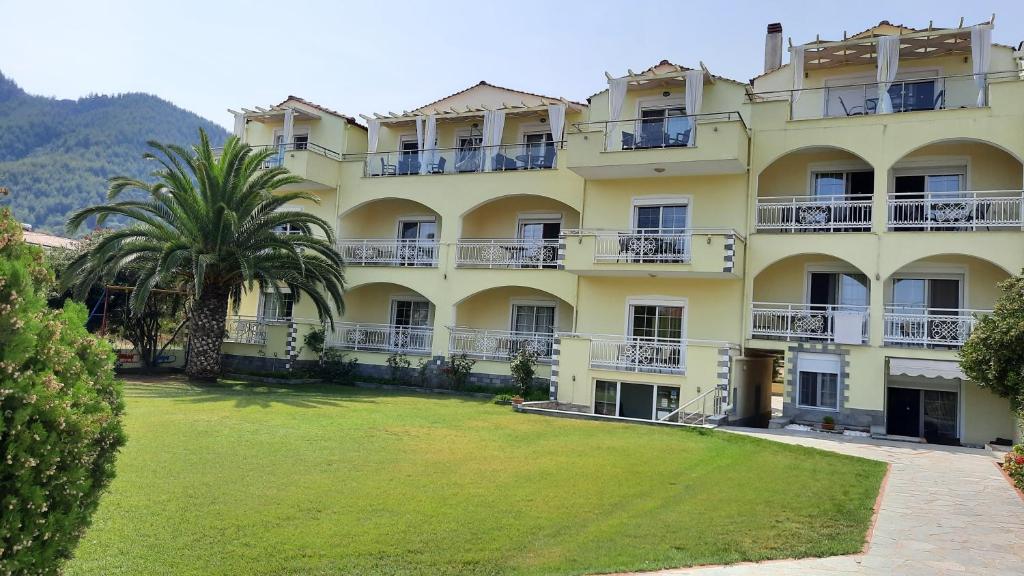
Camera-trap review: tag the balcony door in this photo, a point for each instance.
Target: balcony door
(417, 242)
(537, 323)
(658, 332)
(409, 156)
(468, 157)
(410, 317)
(540, 241)
(923, 307)
(838, 301)
(661, 232)
(930, 199)
(538, 150)
(663, 126)
(831, 190)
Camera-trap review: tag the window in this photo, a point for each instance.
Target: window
(276, 307)
(533, 318)
(301, 141)
(926, 295)
(289, 228)
(657, 321)
(417, 230)
(819, 390)
(838, 289)
(667, 223)
(849, 183)
(664, 126)
(605, 398)
(468, 158)
(411, 313)
(540, 238)
(667, 219)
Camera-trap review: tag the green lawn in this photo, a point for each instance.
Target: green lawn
(336, 480)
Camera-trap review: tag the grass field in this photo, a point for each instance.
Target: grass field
(335, 480)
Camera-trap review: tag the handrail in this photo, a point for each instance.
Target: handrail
(728, 116)
(998, 73)
(291, 146)
(490, 344)
(557, 144)
(702, 398)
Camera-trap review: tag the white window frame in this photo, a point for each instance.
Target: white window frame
(959, 274)
(658, 301)
(870, 78)
(392, 310)
(417, 219)
(799, 385)
(295, 132)
(618, 397)
(284, 290)
(931, 166)
(830, 269)
(514, 302)
(663, 200)
(536, 218)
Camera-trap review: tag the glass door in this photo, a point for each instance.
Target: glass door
(409, 320)
(606, 398)
(417, 246)
(666, 401)
(469, 158)
(659, 331)
(540, 242)
(662, 231)
(536, 323)
(538, 150)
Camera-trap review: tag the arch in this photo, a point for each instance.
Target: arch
(505, 197)
(376, 199)
(370, 302)
(958, 139)
(979, 281)
(364, 221)
(809, 148)
(386, 283)
(492, 307)
(755, 273)
(915, 258)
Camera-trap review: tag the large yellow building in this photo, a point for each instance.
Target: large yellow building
(681, 246)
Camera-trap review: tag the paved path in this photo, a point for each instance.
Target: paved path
(944, 511)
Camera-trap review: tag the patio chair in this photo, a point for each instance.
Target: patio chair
(437, 167)
(628, 141)
(548, 160)
(388, 169)
(502, 162)
(940, 101)
(851, 111)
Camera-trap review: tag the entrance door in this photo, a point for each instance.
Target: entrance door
(636, 401)
(903, 413)
(939, 422)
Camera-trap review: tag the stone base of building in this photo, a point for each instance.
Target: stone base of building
(250, 364)
(845, 417)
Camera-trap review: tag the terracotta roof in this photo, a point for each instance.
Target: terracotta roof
(486, 83)
(323, 109)
(672, 65)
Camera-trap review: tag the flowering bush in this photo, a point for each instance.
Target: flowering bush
(60, 411)
(457, 369)
(1013, 463)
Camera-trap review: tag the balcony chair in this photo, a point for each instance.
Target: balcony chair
(437, 167)
(548, 159)
(388, 169)
(851, 111)
(940, 101)
(628, 141)
(502, 162)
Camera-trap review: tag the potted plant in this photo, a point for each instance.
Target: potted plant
(828, 423)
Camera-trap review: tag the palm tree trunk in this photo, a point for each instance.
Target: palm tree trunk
(206, 333)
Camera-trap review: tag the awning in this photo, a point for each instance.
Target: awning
(949, 369)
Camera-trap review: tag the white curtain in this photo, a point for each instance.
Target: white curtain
(419, 140)
(372, 135)
(694, 98)
(429, 145)
(888, 61)
(239, 130)
(556, 118)
(289, 127)
(981, 53)
(616, 98)
(494, 125)
(796, 58)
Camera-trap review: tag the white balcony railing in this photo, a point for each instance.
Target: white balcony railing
(957, 211)
(644, 246)
(654, 133)
(814, 213)
(388, 252)
(380, 337)
(468, 159)
(499, 344)
(815, 322)
(507, 253)
(929, 327)
(638, 354)
(246, 330)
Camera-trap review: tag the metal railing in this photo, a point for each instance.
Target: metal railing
(388, 252)
(638, 354)
(957, 211)
(466, 159)
(380, 337)
(499, 344)
(507, 253)
(816, 322)
(929, 327)
(278, 158)
(246, 330)
(651, 133)
(832, 213)
(643, 246)
(697, 411)
(915, 94)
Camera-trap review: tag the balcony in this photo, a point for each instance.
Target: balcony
(466, 160)
(499, 345)
(957, 211)
(314, 163)
(809, 322)
(246, 330)
(507, 253)
(713, 143)
(380, 338)
(669, 252)
(929, 327)
(638, 354)
(387, 252)
(845, 213)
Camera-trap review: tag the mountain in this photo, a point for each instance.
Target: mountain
(56, 155)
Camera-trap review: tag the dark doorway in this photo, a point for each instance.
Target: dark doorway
(636, 401)
(903, 414)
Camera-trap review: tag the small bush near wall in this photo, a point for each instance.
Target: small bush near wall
(398, 366)
(1013, 463)
(457, 369)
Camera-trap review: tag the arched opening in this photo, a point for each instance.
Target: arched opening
(384, 317)
(514, 232)
(954, 186)
(811, 298)
(815, 189)
(496, 323)
(390, 232)
(934, 302)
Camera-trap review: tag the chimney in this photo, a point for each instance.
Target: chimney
(773, 47)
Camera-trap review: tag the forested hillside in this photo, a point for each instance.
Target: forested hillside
(56, 155)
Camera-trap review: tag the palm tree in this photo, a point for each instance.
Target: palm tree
(210, 224)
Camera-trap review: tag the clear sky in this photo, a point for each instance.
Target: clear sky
(381, 55)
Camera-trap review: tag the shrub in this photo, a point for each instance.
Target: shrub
(503, 399)
(397, 365)
(422, 373)
(1013, 463)
(523, 368)
(60, 415)
(457, 370)
(991, 356)
(334, 365)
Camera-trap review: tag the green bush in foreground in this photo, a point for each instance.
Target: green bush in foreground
(60, 415)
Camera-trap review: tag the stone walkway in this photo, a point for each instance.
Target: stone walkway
(944, 511)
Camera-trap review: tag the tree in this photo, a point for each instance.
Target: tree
(993, 356)
(60, 415)
(210, 223)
